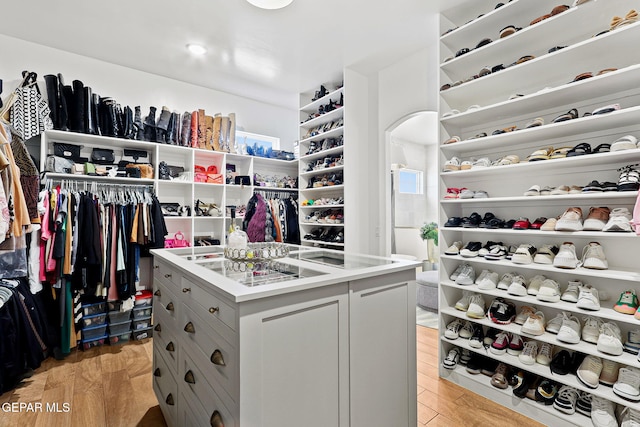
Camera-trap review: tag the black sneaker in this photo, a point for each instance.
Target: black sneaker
(502, 312)
(474, 365)
(488, 366)
(488, 217)
(490, 336)
(508, 224)
(477, 339)
(561, 363)
(566, 399)
(546, 392)
(472, 221)
(583, 406)
(471, 250)
(454, 221)
(523, 381)
(576, 361)
(464, 357)
(592, 187)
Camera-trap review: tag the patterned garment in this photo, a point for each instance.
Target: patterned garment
(30, 113)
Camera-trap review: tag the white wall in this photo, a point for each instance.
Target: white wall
(133, 87)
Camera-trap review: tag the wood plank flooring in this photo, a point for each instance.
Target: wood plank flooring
(111, 387)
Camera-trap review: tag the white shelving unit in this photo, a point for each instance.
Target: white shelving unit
(314, 133)
(182, 192)
(548, 90)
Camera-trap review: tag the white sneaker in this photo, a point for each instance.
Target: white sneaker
(572, 292)
(467, 276)
(452, 359)
(534, 284)
(518, 286)
(453, 329)
(566, 257)
(456, 272)
(545, 354)
(490, 281)
(463, 303)
(525, 311)
(589, 371)
(591, 329)
(588, 298)
(593, 257)
(610, 339)
(570, 330)
(546, 254)
(467, 330)
(529, 353)
(481, 276)
(619, 220)
(609, 374)
(566, 400)
(524, 254)
(549, 291)
(630, 417)
(476, 307)
(505, 281)
(603, 412)
(454, 249)
(628, 384)
(534, 325)
(554, 325)
(571, 220)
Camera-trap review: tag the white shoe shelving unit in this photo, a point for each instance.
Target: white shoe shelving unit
(548, 91)
(310, 135)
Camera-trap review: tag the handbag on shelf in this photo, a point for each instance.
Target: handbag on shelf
(178, 241)
(68, 151)
(58, 164)
(146, 170)
(103, 156)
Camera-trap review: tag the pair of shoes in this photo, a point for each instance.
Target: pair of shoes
(628, 303)
(592, 257)
(570, 400)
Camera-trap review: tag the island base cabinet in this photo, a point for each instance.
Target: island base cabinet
(295, 360)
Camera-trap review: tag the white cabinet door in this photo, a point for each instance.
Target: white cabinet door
(383, 351)
(295, 359)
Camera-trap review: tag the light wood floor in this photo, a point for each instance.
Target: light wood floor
(111, 386)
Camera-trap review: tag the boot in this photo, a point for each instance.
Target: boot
(185, 134)
(67, 94)
(95, 104)
(202, 128)
(138, 127)
(128, 132)
(89, 123)
(150, 125)
(195, 128)
(176, 128)
(171, 130)
(232, 133)
(63, 112)
(163, 124)
(119, 120)
(53, 99)
(79, 110)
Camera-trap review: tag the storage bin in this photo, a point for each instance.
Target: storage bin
(141, 312)
(119, 328)
(95, 320)
(142, 323)
(85, 344)
(115, 305)
(143, 298)
(141, 334)
(91, 309)
(120, 339)
(119, 316)
(94, 332)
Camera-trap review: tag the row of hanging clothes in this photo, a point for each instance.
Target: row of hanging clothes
(272, 216)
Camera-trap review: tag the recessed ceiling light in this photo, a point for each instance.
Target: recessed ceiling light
(197, 49)
(270, 4)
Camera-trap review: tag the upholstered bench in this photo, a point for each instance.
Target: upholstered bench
(427, 289)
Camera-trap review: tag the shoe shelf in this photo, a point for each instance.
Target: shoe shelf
(313, 106)
(321, 224)
(321, 154)
(52, 136)
(174, 182)
(603, 313)
(615, 196)
(328, 134)
(322, 206)
(323, 189)
(322, 242)
(623, 118)
(316, 172)
(516, 12)
(613, 274)
(322, 119)
(569, 93)
(529, 233)
(541, 413)
(543, 371)
(548, 70)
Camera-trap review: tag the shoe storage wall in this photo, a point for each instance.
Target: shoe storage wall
(536, 93)
(321, 167)
(196, 203)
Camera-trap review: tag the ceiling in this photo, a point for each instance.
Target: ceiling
(266, 55)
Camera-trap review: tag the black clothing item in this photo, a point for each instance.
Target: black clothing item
(158, 226)
(87, 269)
(291, 218)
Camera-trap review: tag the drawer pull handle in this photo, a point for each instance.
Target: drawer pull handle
(188, 377)
(168, 275)
(214, 310)
(156, 267)
(185, 290)
(169, 400)
(217, 359)
(158, 293)
(158, 328)
(157, 373)
(216, 419)
(189, 328)
(170, 346)
(170, 307)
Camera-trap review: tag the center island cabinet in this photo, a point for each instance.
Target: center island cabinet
(317, 338)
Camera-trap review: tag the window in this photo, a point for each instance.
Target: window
(410, 181)
(255, 140)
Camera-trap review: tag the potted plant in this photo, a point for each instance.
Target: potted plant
(429, 232)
